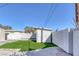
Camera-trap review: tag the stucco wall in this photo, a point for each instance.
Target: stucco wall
(2, 35)
(63, 39)
(76, 42)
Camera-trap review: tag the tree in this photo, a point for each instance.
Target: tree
(6, 27)
(29, 29)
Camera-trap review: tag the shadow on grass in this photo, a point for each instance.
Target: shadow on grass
(30, 49)
(49, 45)
(34, 40)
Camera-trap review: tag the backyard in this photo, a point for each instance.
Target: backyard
(26, 45)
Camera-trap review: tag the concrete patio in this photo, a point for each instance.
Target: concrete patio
(52, 51)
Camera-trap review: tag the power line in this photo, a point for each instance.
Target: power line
(49, 15)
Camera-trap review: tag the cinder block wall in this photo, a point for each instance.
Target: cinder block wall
(2, 35)
(76, 42)
(63, 39)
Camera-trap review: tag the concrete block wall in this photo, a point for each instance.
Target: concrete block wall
(2, 35)
(20, 36)
(63, 39)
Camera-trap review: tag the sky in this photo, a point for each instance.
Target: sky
(54, 16)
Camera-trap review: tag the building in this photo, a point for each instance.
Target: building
(43, 35)
(77, 14)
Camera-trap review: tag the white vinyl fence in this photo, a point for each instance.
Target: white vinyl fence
(76, 42)
(64, 39)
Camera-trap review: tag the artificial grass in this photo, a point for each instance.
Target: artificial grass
(26, 45)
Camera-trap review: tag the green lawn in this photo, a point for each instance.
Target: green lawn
(26, 45)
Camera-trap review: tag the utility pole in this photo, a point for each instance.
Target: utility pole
(77, 14)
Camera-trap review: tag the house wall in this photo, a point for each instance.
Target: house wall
(77, 13)
(63, 39)
(2, 35)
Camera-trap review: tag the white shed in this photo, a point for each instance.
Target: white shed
(43, 35)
